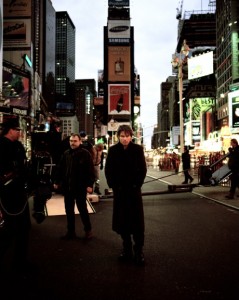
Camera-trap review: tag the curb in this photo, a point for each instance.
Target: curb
(203, 196)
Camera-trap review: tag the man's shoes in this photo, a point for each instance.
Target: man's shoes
(69, 236)
(39, 216)
(191, 180)
(184, 182)
(88, 235)
(229, 196)
(125, 256)
(139, 259)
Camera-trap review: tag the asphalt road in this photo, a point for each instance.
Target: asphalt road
(191, 251)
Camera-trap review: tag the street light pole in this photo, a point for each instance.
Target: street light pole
(181, 122)
(178, 62)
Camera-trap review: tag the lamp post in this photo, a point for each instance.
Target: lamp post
(107, 141)
(178, 62)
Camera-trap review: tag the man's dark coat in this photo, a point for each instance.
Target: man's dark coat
(125, 172)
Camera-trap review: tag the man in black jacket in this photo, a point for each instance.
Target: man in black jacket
(233, 164)
(13, 197)
(75, 174)
(125, 171)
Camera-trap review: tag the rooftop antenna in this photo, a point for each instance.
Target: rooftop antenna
(179, 10)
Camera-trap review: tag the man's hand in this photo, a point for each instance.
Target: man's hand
(56, 186)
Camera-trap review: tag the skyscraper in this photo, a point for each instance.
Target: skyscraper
(65, 61)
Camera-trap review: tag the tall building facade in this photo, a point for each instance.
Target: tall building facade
(85, 92)
(65, 63)
(1, 45)
(48, 54)
(198, 29)
(227, 13)
(121, 104)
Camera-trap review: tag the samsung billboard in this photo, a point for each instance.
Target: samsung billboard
(118, 2)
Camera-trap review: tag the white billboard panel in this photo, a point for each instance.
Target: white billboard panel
(119, 29)
(199, 66)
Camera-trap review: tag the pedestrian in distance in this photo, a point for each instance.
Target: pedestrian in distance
(75, 175)
(186, 160)
(16, 223)
(233, 164)
(98, 165)
(85, 143)
(125, 171)
(175, 162)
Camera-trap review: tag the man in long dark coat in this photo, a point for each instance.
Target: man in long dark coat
(125, 171)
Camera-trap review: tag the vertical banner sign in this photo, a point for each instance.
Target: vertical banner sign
(119, 63)
(119, 99)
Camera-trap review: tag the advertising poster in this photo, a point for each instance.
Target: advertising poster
(119, 63)
(235, 112)
(101, 83)
(119, 99)
(197, 106)
(233, 104)
(17, 33)
(15, 89)
(196, 132)
(17, 8)
(201, 65)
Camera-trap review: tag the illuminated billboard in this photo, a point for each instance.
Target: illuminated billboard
(119, 99)
(199, 66)
(16, 88)
(197, 106)
(233, 103)
(119, 63)
(101, 83)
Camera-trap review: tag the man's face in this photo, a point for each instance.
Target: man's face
(125, 138)
(74, 142)
(14, 134)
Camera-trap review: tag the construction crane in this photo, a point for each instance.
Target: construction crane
(179, 10)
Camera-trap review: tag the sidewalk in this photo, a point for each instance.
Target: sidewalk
(214, 193)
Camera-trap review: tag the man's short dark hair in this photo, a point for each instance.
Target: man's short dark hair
(126, 128)
(12, 123)
(76, 134)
